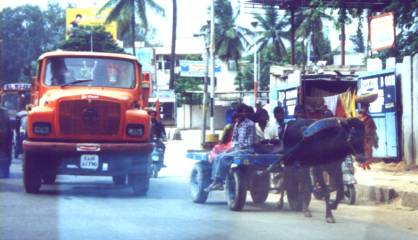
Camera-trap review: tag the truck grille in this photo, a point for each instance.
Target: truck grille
(89, 117)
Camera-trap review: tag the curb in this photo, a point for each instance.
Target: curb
(386, 195)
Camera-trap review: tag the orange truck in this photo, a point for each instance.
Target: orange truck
(87, 117)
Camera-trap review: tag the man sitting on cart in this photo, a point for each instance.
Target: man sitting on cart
(243, 138)
(225, 144)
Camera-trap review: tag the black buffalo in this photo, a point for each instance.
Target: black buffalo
(322, 145)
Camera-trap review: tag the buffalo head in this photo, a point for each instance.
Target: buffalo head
(355, 137)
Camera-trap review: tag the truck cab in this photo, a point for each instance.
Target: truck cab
(14, 97)
(87, 118)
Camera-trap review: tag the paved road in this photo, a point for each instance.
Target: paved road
(92, 208)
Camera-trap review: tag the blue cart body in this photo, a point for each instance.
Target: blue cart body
(254, 159)
(242, 177)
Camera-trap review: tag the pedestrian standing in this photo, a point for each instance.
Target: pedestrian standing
(370, 135)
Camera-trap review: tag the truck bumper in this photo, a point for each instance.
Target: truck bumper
(92, 159)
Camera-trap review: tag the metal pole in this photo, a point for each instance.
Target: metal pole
(212, 75)
(254, 24)
(205, 89)
(255, 75)
(91, 41)
(292, 40)
(343, 37)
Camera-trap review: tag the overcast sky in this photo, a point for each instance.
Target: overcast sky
(192, 14)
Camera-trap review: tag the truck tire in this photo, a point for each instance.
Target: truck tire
(4, 166)
(236, 189)
(49, 178)
(260, 188)
(139, 184)
(199, 180)
(119, 179)
(31, 173)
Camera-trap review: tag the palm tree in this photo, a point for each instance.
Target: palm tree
(230, 39)
(272, 34)
(308, 23)
(124, 11)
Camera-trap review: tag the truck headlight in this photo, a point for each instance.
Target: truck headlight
(135, 130)
(41, 128)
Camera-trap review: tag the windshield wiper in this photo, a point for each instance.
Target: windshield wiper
(76, 82)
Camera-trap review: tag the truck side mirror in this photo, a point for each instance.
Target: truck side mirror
(28, 107)
(145, 88)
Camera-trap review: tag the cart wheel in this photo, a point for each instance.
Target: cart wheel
(350, 194)
(236, 189)
(199, 180)
(260, 188)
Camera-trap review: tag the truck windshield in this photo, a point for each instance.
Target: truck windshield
(10, 101)
(97, 72)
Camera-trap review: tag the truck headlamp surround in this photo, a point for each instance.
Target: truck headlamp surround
(135, 130)
(41, 128)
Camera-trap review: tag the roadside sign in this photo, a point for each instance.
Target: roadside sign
(382, 31)
(190, 68)
(17, 86)
(91, 17)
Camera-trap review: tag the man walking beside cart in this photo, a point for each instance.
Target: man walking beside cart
(243, 137)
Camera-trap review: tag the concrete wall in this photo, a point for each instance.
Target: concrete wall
(190, 116)
(415, 107)
(225, 79)
(408, 73)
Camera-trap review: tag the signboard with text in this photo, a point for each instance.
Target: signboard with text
(189, 68)
(382, 31)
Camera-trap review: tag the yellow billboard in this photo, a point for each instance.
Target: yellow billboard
(88, 17)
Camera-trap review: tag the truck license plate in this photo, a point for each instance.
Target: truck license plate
(89, 161)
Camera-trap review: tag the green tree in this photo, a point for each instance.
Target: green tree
(124, 11)
(185, 84)
(273, 33)
(230, 41)
(358, 39)
(310, 28)
(26, 32)
(406, 15)
(88, 38)
(54, 21)
(230, 38)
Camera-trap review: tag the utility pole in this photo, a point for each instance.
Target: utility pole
(212, 75)
(205, 83)
(254, 24)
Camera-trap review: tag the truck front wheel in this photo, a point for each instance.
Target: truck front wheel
(31, 173)
(49, 178)
(119, 179)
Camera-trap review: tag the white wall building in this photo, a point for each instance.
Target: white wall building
(190, 116)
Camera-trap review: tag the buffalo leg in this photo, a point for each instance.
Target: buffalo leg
(336, 175)
(318, 173)
(306, 189)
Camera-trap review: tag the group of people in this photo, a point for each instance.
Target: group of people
(249, 128)
(240, 137)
